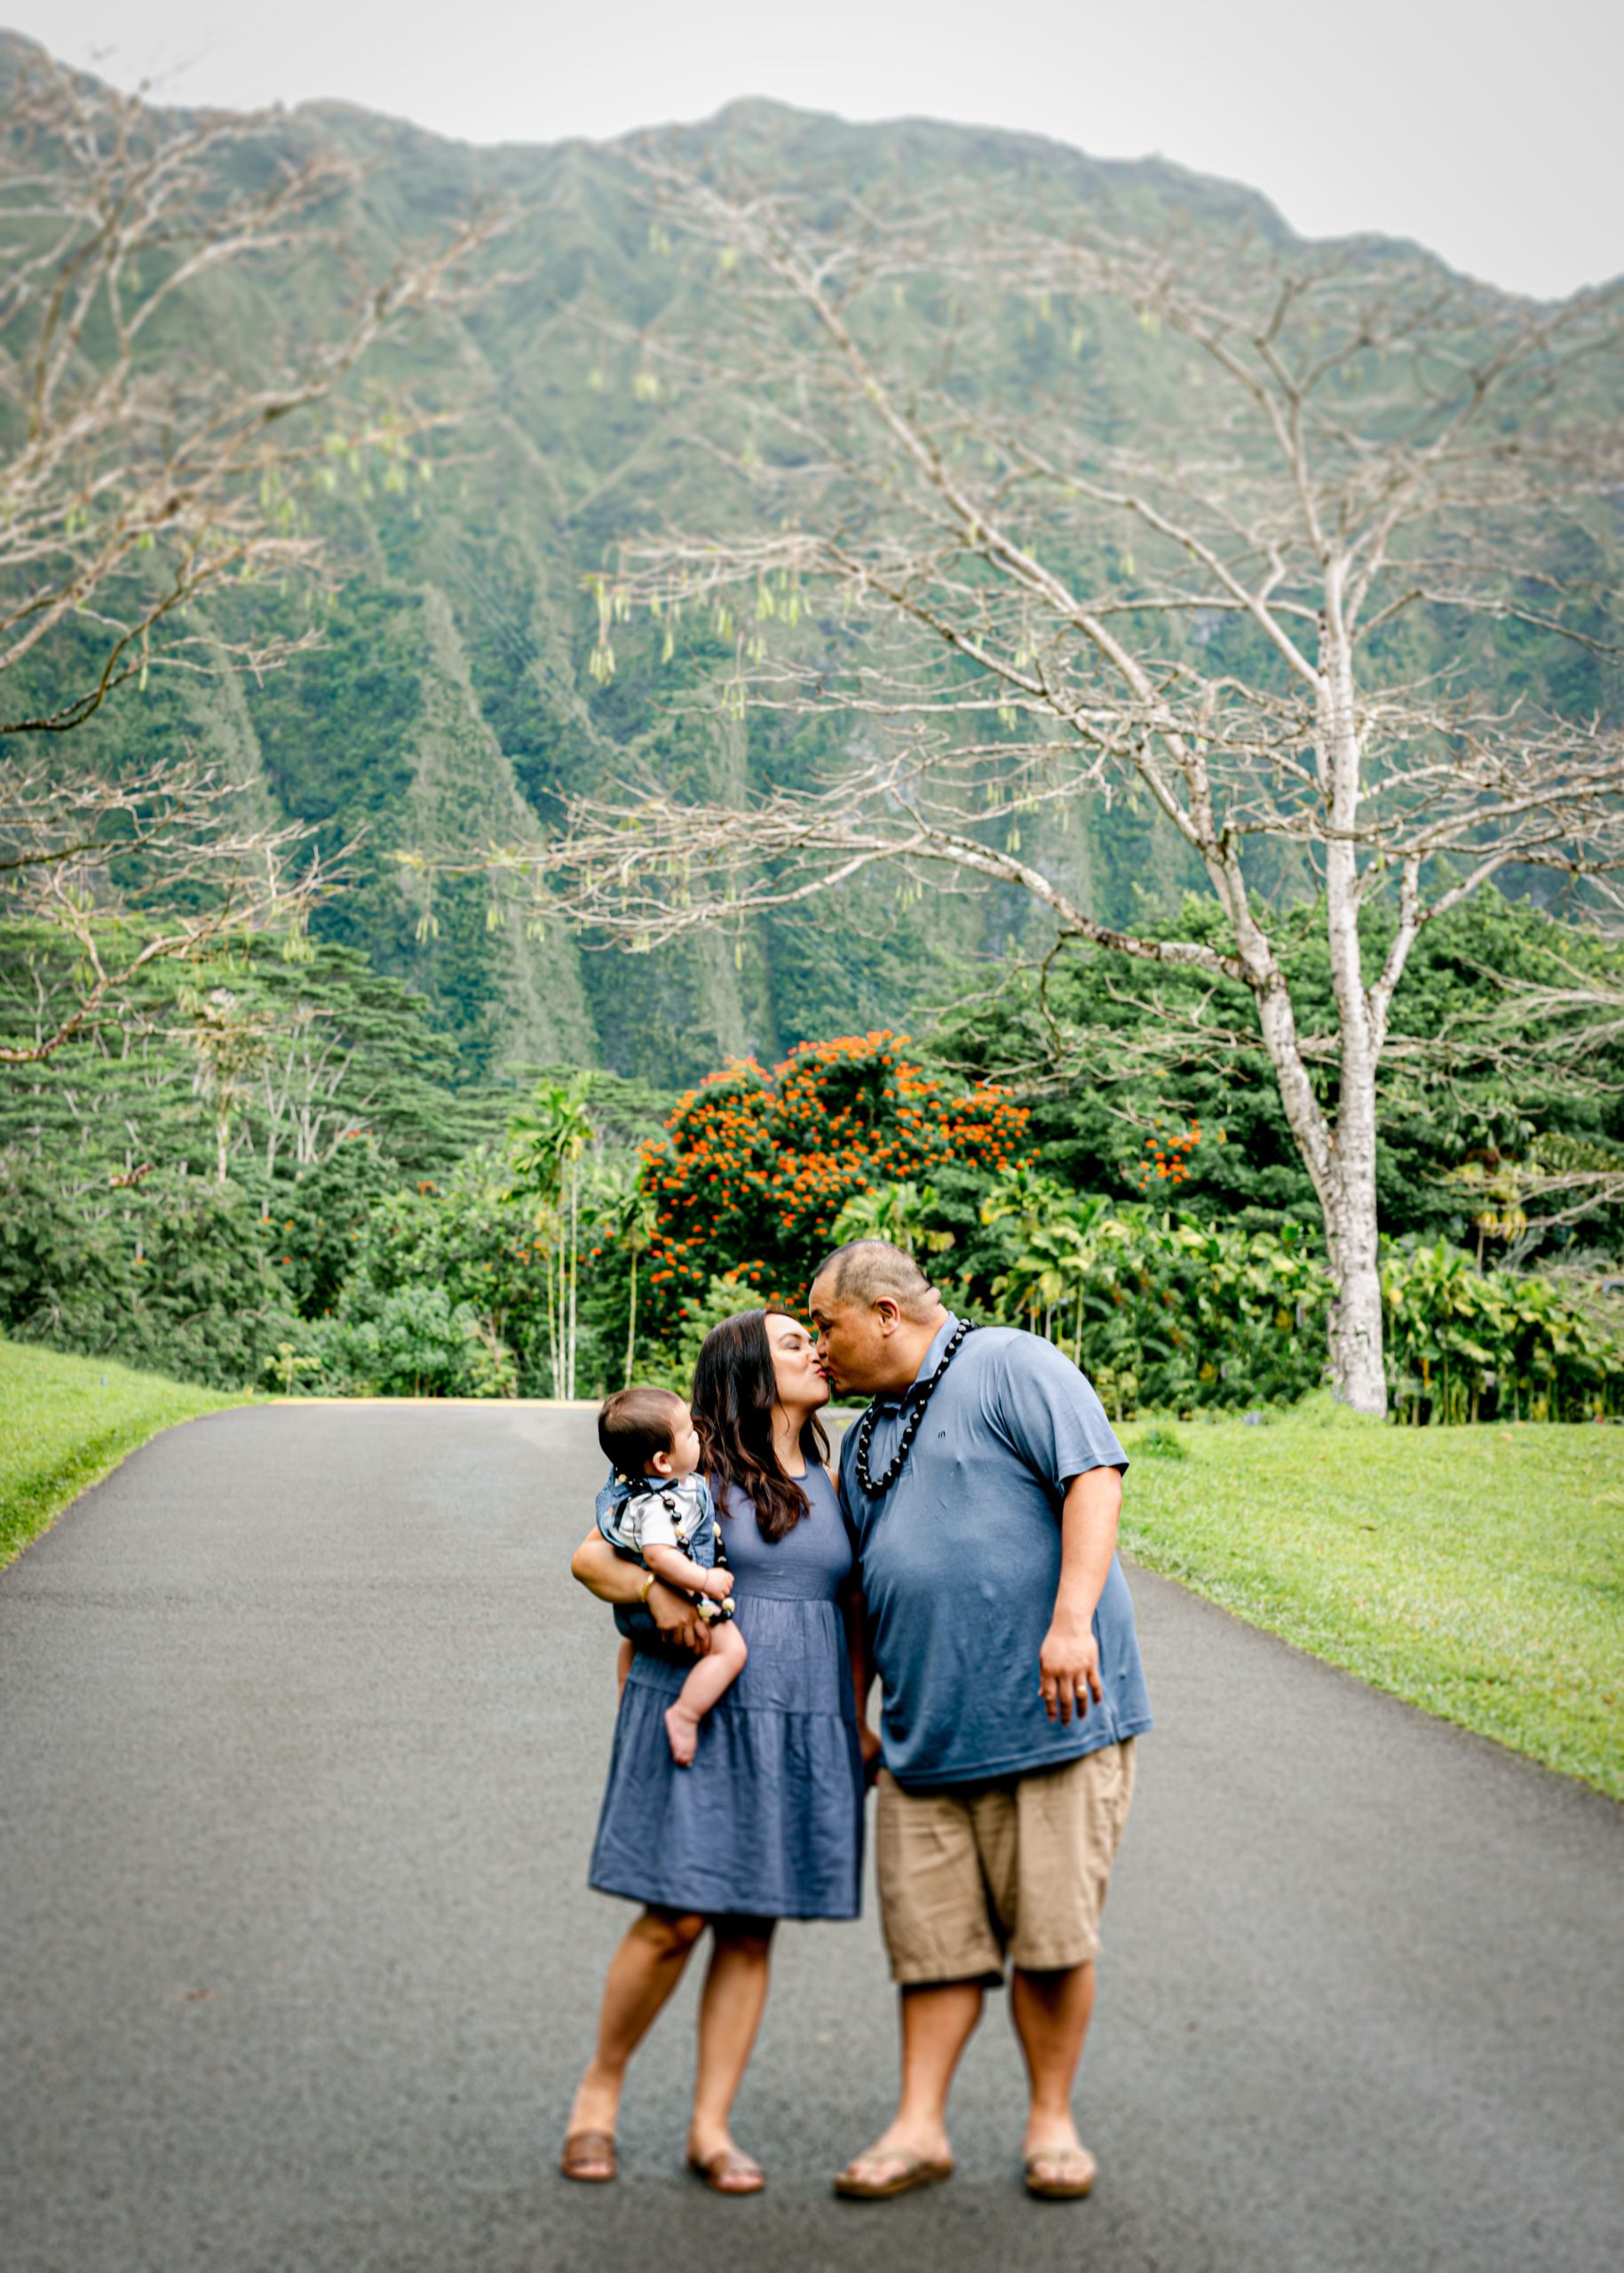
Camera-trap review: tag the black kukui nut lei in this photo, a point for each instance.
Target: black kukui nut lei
(910, 1427)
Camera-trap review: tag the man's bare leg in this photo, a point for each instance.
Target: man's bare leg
(709, 1681)
(938, 2022)
(1051, 2012)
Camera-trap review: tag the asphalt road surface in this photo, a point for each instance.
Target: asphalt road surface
(302, 1727)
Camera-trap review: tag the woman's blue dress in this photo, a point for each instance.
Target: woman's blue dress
(768, 1822)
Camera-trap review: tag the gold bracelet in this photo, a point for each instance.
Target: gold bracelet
(647, 1583)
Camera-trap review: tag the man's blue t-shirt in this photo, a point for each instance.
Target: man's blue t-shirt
(961, 1560)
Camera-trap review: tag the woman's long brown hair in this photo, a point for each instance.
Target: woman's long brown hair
(734, 1392)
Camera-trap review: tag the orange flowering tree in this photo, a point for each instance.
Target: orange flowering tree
(756, 1166)
(1168, 1156)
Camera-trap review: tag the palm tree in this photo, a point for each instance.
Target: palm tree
(547, 1143)
(626, 1210)
(1059, 1252)
(896, 1212)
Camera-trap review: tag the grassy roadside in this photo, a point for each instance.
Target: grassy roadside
(65, 1422)
(1477, 1572)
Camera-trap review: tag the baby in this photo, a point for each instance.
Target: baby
(656, 1510)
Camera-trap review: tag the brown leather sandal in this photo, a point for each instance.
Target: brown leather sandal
(912, 2170)
(589, 2157)
(1073, 2171)
(727, 2162)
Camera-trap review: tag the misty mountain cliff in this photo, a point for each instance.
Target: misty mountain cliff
(449, 702)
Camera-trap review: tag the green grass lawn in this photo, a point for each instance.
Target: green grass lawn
(1479, 1573)
(65, 1422)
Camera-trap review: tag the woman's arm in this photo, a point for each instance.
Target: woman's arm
(862, 1678)
(614, 1580)
(851, 1610)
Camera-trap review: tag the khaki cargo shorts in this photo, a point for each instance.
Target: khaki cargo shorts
(1019, 1867)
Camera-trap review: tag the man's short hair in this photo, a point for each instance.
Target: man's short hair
(866, 1270)
(636, 1424)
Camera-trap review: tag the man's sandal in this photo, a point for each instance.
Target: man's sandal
(727, 2164)
(911, 2171)
(1073, 2171)
(589, 2157)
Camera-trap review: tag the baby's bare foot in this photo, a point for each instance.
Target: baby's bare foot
(682, 1729)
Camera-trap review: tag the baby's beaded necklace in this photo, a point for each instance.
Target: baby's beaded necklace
(910, 1427)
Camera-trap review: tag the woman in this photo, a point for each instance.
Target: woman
(767, 1823)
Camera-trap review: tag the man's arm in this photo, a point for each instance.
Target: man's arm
(852, 1612)
(1068, 1664)
(614, 1580)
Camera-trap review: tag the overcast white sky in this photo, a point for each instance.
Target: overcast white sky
(1487, 130)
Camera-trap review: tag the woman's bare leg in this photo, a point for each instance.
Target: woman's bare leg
(715, 1673)
(730, 2011)
(642, 1974)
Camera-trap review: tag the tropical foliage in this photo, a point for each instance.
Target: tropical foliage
(273, 1178)
(244, 1178)
(1159, 1309)
(267, 1172)
(1465, 1344)
(1166, 1311)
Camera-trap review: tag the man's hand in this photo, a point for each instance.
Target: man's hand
(679, 1619)
(1068, 1663)
(869, 1739)
(1068, 1669)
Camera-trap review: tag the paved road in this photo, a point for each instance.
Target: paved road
(301, 1731)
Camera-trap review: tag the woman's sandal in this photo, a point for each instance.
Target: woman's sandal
(728, 2163)
(589, 2157)
(1078, 2166)
(911, 2171)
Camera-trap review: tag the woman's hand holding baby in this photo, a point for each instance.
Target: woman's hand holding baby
(679, 1619)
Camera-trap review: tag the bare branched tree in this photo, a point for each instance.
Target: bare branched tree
(121, 874)
(1562, 1182)
(144, 475)
(1280, 634)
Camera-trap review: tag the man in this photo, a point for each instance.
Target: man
(983, 1484)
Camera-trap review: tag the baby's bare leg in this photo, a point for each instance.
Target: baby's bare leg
(623, 1657)
(709, 1680)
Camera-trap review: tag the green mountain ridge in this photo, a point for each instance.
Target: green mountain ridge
(451, 702)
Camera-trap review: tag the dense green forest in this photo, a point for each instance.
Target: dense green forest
(275, 1173)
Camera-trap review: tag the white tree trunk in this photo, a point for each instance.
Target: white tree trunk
(631, 1327)
(553, 1268)
(1357, 1375)
(575, 1272)
(1350, 1196)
